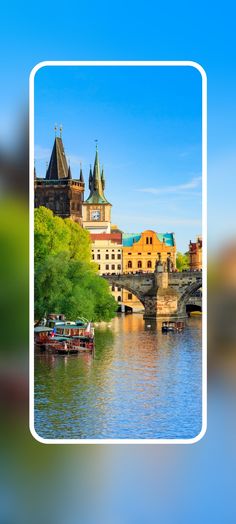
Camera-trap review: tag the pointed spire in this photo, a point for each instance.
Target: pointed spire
(96, 182)
(90, 178)
(103, 180)
(58, 167)
(96, 171)
(69, 173)
(81, 173)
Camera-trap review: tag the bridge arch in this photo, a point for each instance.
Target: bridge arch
(188, 292)
(117, 281)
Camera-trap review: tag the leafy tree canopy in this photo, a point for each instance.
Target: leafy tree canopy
(65, 278)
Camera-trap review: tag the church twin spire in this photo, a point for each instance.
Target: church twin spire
(96, 183)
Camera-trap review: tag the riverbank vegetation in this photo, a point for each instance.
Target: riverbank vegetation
(66, 281)
(182, 261)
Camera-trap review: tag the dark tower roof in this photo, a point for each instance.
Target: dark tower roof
(96, 184)
(69, 173)
(81, 177)
(58, 167)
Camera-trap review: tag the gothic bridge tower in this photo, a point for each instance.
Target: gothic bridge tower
(58, 191)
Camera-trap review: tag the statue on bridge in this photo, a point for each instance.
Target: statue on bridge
(163, 267)
(159, 267)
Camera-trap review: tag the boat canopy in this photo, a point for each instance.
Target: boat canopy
(42, 329)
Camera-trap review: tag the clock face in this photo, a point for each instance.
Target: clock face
(95, 215)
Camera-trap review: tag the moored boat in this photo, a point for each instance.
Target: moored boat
(67, 336)
(172, 326)
(42, 335)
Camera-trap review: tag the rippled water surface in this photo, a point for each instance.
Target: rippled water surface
(139, 383)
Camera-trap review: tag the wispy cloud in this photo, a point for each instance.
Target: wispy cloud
(180, 188)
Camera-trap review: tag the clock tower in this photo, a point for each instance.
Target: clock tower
(96, 209)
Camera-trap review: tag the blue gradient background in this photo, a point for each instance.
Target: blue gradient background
(128, 484)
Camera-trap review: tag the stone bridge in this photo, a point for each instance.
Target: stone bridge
(162, 294)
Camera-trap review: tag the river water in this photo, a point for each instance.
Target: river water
(140, 383)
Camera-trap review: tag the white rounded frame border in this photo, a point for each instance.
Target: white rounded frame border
(184, 63)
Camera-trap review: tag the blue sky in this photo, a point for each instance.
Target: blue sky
(148, 125)
(203, 32)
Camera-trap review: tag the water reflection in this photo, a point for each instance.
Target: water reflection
(139, 383)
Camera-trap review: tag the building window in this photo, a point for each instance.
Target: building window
(98, 257)
(99, 267)
(93, 256)
(139, 253)
(130, 296)
(130, 264)
(107, 266)
(149, 263)
(149, 253)
(113, 267)
(119, 289)
(119, 266)
(113, 257)
(107, 257)
(150, 240)
(113, 287)
(119, 298)
(129, 253)
(147, 240)
(119, 256)
(139, 264)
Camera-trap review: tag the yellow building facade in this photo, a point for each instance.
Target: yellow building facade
(141, 253)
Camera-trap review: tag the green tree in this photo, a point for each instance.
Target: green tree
(182, 261)
(65, 278)
(79, 241)
(51, 234)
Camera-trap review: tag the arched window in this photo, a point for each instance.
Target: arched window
(149, 263)
(139, 264)
(119, 298)
(130, 264)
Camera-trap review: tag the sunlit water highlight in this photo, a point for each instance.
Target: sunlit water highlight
(140, 383)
